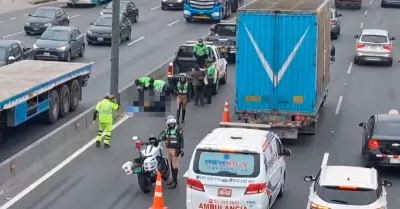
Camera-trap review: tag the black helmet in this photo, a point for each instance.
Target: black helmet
(200, 40)
(137, 82)
(151, 81)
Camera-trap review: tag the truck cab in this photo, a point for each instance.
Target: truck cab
(185, 61)
(13, 51)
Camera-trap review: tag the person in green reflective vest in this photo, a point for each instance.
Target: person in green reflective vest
(210, 73)
(183, 91)
(103, 111)
(201, 53)
(160, 86)
(143, 83)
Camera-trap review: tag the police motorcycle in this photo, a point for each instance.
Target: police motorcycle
(150, 160)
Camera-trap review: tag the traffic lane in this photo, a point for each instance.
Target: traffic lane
(23, 12)
(96, 180)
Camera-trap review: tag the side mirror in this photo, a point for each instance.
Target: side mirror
(340, 14)
(332, 59)
(392, 38)
(362, 125)
(37, 37)
(11, 58)
(91, 23)
(386, 183)
(357, 36)
(135, 138)
(29, 14)
(286, 152)
(309, 178)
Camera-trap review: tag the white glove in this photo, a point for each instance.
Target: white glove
(128, 168)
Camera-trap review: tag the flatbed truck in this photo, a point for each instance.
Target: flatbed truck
(31, 88)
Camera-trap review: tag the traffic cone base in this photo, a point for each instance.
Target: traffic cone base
(225, 115)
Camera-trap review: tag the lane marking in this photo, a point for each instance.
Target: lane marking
(361, 25)
(176, 21)
(370, 2)
(349, 68)
(26, 14)
(154, 8)
(13, 34)
(137, 40)
(73, 16)
(366, 12)
(339, 105)
(53, 171)
(13, 18)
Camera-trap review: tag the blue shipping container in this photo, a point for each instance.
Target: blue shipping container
(277, 62)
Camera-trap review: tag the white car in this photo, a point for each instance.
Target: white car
(346, 187)
(236, 167)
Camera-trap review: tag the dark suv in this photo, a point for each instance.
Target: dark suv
(356, 4)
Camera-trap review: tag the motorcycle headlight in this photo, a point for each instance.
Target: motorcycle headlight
(35, 46)
(89, 32)
(27, 24)
(63, 48)
(47, 25)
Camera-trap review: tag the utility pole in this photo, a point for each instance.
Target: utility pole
(115, 49)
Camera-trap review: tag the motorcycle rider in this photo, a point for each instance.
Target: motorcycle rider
(183, 92)
(173, 135)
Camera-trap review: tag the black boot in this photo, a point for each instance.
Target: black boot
(97, 143)
(171, 174)
(174, 179)
(178, 114)
(183, 115)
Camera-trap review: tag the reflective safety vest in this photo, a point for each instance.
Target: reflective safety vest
(145, 81)
(172, 137)
(211, 71)
(105, 108)
(158, 85)
(182, 89)
(200, 50)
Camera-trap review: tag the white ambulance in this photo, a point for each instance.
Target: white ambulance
(236, 168)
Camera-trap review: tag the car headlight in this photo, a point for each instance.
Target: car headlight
(63, 48)
(215, 14)
(47, 25)
(89, 32)
(35, 46)
(27, 24)
(101, 13)
(187, 12)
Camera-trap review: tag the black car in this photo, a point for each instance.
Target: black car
(224, 36)
(60, 43)
(127, 8)
(172, 4)
(13, 51)
(381, 140)
(100, 30)
(45, 17)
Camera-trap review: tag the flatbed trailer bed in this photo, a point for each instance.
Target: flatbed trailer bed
(29, 88)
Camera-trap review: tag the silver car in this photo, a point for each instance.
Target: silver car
(374, 45)
(335, 24)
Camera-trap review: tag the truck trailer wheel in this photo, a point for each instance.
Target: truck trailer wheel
(54, 106)
(75, 92)
(65, 100)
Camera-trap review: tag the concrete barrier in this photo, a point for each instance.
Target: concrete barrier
(23, 168)
(39, 1)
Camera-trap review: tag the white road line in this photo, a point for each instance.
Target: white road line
(1, 21)
(13, 34)
(53, 171)
(26, 14)
(361, 25)
(137, 40)
(370, 2)
(154, 8)
(339, 105)
(366, 12)
(73, 16)
(176, 21)
(13, 18)
(349, 69)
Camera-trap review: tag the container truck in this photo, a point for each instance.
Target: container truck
(31, 88)
(283, 60)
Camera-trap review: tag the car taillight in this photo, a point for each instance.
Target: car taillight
(194, 184)
(360, 46)
(333, 21)
(299, 117)
(256, 188)
(170, 69)
(373, 144)
(316, 206)
(388, 47)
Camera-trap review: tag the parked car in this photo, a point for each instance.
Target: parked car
(388, 3)
(12, 51)
(127, 8)
(172, 4)
(335, 24)
(101, 29)
(356, 4)
(60, 43)
(45, 17)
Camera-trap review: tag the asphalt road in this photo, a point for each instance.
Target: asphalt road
(95, 178)
(157, 36)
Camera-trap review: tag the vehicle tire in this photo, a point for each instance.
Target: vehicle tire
(337, 5)
(89, 43)
(27, 33)
(383, 5)
(144, 183)
(82, 51)
(356, 61)
(66, 22)
(136, 18)
(367, 163)
(358, 7)
(235, 6)
(188, 20)
(334, 36)
(69, 5)
(128, 37)
(75, 92)
(225, 78)
(389, 63)
(54, 106)
(282, 191)
(69, 56)
(65, 101)
(338, 32)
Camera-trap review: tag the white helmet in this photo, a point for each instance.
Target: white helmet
(170, 120)
(393, 112)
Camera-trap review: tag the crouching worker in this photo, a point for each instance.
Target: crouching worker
(143, 83)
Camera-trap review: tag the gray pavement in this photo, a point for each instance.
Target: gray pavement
(160, 41)
(95, 178)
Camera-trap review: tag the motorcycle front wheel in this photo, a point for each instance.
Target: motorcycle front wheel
(144, 182)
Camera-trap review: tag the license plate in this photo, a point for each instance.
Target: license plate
(223, 49)
(100, 39)
(46, 53)
(394, 160)
(170, 5)
(223, 192)
(35, 28)
(201, 17)
(274, 117)
(137, 170)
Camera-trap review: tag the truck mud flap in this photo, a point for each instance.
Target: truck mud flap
(286, 133)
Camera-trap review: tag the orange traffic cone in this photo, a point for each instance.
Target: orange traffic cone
(158, 202)
(225, 114)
